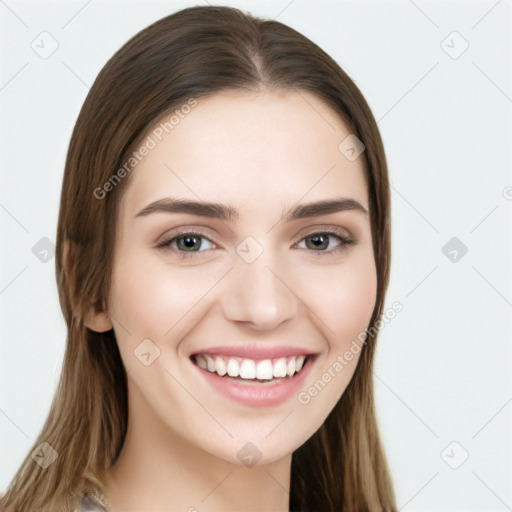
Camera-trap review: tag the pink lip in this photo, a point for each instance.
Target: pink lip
(255, 351)
(258, 395)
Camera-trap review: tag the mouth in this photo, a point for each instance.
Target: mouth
(254, 382)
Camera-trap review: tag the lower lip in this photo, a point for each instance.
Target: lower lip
(258, 395)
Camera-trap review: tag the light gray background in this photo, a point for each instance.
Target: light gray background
(443, 384)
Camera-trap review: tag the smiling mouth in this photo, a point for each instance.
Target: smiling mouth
(245, 370)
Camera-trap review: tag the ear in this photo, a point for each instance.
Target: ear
(96, 318)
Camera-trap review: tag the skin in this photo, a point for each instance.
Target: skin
(262, 153)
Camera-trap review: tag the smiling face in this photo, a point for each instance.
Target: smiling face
(255, 268)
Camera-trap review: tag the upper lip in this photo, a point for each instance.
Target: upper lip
(255, 351)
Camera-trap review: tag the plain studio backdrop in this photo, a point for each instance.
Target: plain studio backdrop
(437, 76)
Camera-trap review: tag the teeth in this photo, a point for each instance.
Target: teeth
(233, 368)
(250, 369)
(264, 370)
(280, 368)
(247, 369)
(290, 368)
(202, 362)
(210, 362)
(220, 366)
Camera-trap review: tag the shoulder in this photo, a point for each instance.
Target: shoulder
(90, 503)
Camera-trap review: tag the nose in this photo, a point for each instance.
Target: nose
(258, 295)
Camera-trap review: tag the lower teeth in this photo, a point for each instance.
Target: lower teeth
(275, 380)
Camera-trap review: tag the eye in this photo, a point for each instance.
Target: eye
(322, 242)
(188, 242)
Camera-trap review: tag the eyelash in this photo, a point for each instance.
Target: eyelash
(344, 242)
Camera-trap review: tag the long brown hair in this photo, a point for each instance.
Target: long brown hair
(192, 53)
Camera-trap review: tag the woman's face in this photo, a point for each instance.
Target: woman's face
(266, 275)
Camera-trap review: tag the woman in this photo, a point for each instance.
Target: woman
(222, 257)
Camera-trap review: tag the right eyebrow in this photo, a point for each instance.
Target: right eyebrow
(201, 208)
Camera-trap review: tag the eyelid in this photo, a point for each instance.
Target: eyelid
(187, 230)
(327, 229)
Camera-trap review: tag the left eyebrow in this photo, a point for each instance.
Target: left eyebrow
(323, 208)
(229, 213)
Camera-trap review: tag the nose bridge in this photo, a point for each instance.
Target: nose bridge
(257, 292)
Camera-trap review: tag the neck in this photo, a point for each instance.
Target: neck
(159, 470)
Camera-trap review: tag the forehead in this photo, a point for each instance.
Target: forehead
(241, 147)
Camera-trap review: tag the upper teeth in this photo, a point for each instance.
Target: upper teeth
(250, 368)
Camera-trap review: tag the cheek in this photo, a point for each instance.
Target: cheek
(351, 306)
(150, 300)
(344, 299)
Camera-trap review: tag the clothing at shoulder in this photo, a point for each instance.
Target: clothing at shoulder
(90, 503)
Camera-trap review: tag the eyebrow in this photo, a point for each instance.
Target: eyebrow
(229, 213)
